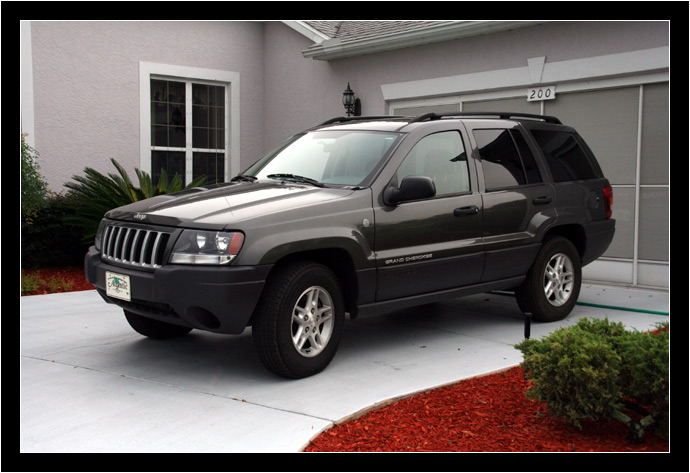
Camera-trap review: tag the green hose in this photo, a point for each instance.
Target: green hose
(644, 311)
(600, 306)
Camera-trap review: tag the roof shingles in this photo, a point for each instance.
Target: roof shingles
(348, 31)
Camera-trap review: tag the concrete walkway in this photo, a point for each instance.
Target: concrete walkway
(89, 383)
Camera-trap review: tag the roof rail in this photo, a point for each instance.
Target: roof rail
(349, 119)
(503, 115)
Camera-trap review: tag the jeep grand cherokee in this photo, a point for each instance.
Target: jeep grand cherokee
(361, 215)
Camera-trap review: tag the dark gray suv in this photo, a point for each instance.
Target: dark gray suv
(362, 215)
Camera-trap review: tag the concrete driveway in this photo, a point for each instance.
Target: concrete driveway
(89, 383)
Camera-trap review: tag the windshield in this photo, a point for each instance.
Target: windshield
(330, 157)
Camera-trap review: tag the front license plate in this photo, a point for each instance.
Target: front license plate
(117, 285)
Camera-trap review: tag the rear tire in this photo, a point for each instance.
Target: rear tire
(552, 285)
(299, 320)
(154, 328)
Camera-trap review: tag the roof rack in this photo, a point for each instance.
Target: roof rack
(502, 115)
(350, 119)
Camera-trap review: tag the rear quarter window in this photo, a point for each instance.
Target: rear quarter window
(564, 155)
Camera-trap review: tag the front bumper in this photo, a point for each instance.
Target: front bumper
(216, 299)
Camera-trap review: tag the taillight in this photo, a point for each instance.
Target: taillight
(608, 200)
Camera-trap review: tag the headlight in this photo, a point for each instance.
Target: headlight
(203, 247)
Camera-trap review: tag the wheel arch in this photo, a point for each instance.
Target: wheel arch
(337, 260)
(573, 232)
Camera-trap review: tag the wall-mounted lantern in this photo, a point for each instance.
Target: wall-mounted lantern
(353, 106)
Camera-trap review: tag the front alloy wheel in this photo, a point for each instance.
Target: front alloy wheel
(312, 321)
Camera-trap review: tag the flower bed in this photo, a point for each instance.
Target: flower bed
(51, 280)
(484, 414)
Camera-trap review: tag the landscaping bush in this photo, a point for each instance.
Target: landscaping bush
(46, 240)
(50, 240)
(97, 193)
(34, 188)
(597, 369)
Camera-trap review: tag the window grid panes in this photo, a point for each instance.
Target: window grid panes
(173, 162)
(210, 165)
(188, 129)
(208, 116)
(167, 114)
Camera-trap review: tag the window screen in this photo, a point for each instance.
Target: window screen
(564, 155)
(500, 159)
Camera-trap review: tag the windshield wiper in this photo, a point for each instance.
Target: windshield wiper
(242, 177)
(296, 178)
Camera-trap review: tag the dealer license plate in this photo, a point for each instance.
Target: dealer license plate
(118, 286)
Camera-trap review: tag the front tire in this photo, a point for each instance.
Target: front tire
(154, 328)
(552, 285)
(299, 320)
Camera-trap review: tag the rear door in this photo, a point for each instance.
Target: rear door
(430, 244)
(518, 202)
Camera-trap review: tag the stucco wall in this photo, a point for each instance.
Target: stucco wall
(86, 82)
(300, 92)
(86, 85)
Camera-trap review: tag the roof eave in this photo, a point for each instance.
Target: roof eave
(303, 28)
(328, 49)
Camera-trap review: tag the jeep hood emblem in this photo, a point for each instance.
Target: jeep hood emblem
(140, 216)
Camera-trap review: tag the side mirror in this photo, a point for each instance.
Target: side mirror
(411, 188)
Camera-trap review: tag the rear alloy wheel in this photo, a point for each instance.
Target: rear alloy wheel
(552, 284)
(299, 320)
(559, 279)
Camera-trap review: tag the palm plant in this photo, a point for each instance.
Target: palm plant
(96, 193)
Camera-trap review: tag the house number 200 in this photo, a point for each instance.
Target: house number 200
(541, 93)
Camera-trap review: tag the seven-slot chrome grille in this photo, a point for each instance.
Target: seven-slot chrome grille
(135, 246)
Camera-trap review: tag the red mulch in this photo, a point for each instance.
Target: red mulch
(51, 280)
(484, 414)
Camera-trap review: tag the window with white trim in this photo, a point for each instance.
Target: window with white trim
(188, 129)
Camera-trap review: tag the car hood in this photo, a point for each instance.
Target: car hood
(226, 205)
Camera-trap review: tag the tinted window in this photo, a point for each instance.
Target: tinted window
(500, 159)
(441, 157)
(564, 155)
(528, 162)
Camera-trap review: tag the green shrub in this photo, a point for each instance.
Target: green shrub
(50, 240)
(97, 193)
(597, 369)
(34, 188)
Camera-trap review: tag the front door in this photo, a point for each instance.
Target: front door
(431, 244)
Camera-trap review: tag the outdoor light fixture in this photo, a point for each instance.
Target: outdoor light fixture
(352, 105)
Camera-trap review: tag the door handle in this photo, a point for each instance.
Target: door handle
(544, 199)
(469, 210)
